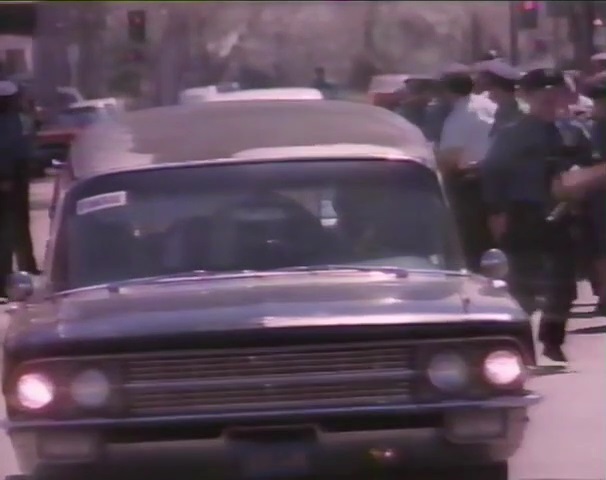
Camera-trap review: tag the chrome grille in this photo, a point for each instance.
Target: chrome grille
(263, 378)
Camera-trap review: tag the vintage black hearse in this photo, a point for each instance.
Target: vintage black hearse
(259, 290)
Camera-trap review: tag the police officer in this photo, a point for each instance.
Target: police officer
(596, 200)
(501, 81)
(13, 149)
(516, 176)
(24, 250)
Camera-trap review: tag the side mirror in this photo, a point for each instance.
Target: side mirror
(494, 264)
(20, 286)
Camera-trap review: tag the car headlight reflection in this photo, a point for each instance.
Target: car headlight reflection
(503, 368)
(90, 389)
(34, 391)
(448, 371)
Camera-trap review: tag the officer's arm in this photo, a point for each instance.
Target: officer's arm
(576, 183)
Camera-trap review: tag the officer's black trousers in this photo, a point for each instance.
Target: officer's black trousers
(23, 244)
(542, 264)
(6, 239)
(465, 196)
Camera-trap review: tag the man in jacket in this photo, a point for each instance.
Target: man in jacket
(13, 149)
(23, 248)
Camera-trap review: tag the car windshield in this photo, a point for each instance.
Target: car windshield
(79, 117)
(252, 217)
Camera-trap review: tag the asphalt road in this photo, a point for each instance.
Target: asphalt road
(567, 434)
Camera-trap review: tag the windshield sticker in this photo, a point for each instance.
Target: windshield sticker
(101, 202)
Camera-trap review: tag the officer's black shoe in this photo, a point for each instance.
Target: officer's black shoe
(555, 353)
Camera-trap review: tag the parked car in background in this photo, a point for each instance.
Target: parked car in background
(261, 289)
(55, 136)
(199, 94)
(383, 90)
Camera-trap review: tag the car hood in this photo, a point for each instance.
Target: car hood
(302, 301)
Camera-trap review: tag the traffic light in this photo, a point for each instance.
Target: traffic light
(528, 15)
(137, 31)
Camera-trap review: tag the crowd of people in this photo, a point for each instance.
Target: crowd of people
(523, 158)
(17, 132)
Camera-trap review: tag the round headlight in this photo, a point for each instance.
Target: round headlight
(503, 367)
(448, 371)
(90, 388)
(34, 391)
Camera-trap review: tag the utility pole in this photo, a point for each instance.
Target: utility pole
(51, 68)
(89, 28)
(514, 37)
(581, 22)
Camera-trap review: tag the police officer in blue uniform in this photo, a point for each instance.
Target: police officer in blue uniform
(523, 161)
(596, 200)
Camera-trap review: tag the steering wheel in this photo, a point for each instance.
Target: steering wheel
(300, 241)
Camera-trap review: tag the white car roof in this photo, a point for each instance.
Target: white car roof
(341, 150)
(268, 94)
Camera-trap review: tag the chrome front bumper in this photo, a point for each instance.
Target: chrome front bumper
(472, 432)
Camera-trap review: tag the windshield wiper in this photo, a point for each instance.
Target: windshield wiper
(206, 274)
(117, 285)
(395, 271)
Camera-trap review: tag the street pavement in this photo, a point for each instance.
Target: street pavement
(566, 439)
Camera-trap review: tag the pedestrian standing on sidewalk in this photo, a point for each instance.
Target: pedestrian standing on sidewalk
(13, 149)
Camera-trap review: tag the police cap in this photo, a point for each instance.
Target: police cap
(500, 69)
(596, 87)
(542, 78)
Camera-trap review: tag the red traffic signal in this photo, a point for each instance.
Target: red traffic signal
(137, 31)
(528, 15)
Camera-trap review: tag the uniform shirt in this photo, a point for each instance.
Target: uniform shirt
(597, 198)
(468, 127)
(505, 114)
(13, 144)
(518, 165)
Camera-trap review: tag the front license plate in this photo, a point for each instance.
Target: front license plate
(274, 461)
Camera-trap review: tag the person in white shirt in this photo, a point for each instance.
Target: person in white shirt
(465, 136)
(463, 145)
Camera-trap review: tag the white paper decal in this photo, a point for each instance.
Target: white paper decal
(101, 202)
